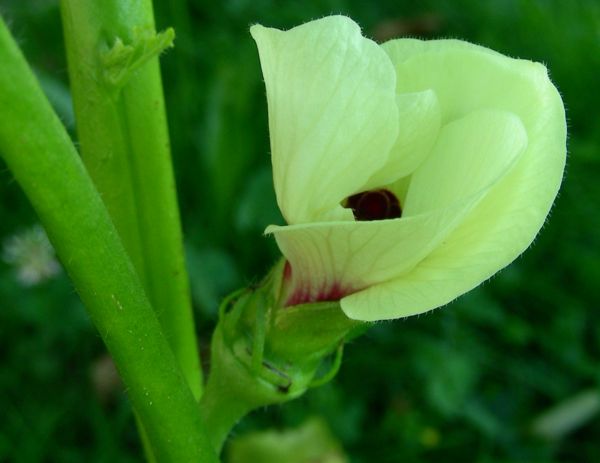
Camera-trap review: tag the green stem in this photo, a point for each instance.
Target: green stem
(124, 143)
(233, 390)
(40, 155)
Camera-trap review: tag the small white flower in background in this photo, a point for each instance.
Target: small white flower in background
(32, 255)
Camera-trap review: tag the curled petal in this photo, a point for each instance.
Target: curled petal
(470, 155)
(507, 219)
(332, 114)
(467, 77)
(419, 125)
(330, 260)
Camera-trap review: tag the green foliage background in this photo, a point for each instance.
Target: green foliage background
(464, 383)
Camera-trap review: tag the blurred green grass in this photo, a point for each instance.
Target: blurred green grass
(464, 383)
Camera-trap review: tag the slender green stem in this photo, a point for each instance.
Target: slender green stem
(232, 391)
(121, 124)
(40, 155)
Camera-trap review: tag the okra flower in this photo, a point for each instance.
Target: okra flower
(408, 173)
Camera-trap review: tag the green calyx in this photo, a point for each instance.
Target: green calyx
(264, 353)
(297, 335)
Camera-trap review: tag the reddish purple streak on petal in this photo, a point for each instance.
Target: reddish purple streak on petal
(287, 270)
(378, 204)
(300, 296)
(302, 293)
(303, 296)
(335, 293)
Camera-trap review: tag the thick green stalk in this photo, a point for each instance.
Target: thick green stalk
(40, 155)
(233, 390)
(112, 52)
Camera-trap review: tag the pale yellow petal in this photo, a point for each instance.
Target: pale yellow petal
(471, 154)
(332, 114)
(353, 256)
(419, 124)
(505, 222)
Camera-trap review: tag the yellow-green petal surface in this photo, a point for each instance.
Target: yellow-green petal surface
(332, 114)
(466, 78)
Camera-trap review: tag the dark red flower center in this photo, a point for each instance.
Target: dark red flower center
(374, 205)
